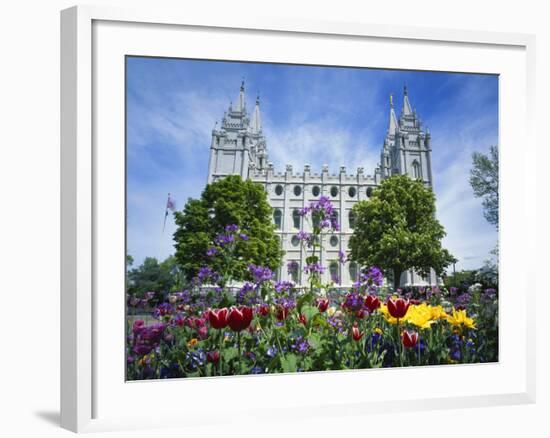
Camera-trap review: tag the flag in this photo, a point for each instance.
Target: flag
(170, 205)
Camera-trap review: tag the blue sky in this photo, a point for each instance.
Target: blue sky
(313, 115)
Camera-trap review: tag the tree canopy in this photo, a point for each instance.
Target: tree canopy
(484, 182)
(228, 201)
(397, 229)
(153, 276)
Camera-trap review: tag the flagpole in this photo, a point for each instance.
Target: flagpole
(165, 214)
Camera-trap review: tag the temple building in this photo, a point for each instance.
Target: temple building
(239, 147)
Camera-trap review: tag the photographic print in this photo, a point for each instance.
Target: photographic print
(293, 218)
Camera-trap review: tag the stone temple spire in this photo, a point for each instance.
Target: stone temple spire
(392, 126)
(407, 110)
(241, 103)
(256, 124)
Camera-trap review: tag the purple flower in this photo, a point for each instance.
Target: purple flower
(314, 268)
(463, 298)
(305, 237)
(373, 276)
(211, 251)
(260, 273)
(243, 236)
(353, 301)
(163, 309)
(283, 286)
(303, 211)
(292, 267)
(247, 295)
(453, 290)
(301, 345)
(224, 239)
(149, 295)
(342, 257)
(232, 228)
(489, 294)
(207, 274)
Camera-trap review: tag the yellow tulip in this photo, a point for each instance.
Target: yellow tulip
(420, 315)
(459, 318)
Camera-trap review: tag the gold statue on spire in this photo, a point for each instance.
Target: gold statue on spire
(391, 100)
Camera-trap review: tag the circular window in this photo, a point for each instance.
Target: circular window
(352, 192)
(297, 190)
(334, 191)
(295, 241)
(316, 191)
(334, 241)
(369, 192)
(279, 190)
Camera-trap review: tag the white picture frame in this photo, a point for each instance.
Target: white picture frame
(88, 397)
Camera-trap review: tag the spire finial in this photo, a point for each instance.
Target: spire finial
(258, 98)
(405, 88)
(391, 100)
(242, 84)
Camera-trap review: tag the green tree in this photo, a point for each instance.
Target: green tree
(153, 276)
(227, 201)
(484, 182)
(397, 229)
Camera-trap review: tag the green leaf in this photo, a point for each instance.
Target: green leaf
(229, 353)
(309, 311)
(289, 363)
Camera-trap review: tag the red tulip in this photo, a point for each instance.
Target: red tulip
(263, 310)
(302, 318)
(372, 302)
(213, 356)
(360, 313)
(398, 308)
(282, 313)
(410, 339)
(218, 318)
(356, 334)
(239, 318)
(202, 332)
(199, 322)
(322, 305)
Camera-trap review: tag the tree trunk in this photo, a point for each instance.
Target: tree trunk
(396, 278)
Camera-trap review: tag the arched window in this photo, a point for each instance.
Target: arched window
(278, 218)
(334, 217)
(351, 219)
(296, 219)
(294, 270)
(316, 191)
(369, 192)
(279, 190)
(352, 192)
(353, 271)
(295, 240)
(333, 268)
(333, 241)
(416, 170)
(297, 190)
(334, 191)
(316, 219)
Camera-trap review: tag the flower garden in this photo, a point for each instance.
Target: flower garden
(217, 327)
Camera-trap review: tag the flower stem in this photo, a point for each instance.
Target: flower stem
(239, 350)
(221, 353)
